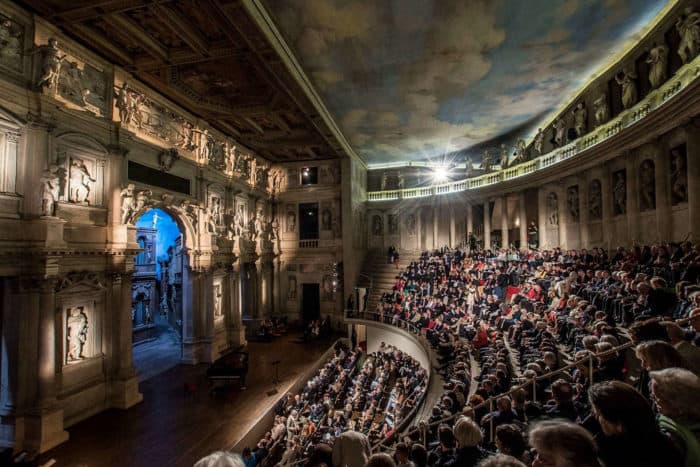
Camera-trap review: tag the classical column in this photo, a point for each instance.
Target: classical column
(266, 286)
(435, 213)
(487, 225)
(236, 330)
(662, 171)
(693, 163)
(505, 237)
(419, 229)
(470, 218)
(125, 386)
(585, 240)
(564, 216)
(607, 201)
(542, 217)
(453, 243)
(522, 220)
(632, 167)
(47, 344)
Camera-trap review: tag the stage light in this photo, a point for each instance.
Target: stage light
(440, 174)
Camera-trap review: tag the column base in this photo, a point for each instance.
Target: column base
(237, 336)
(125, 393)
(41, 431)
(196, 352)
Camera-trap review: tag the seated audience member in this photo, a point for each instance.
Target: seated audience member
(220, 459)
(559, 443)
(676, 394)
(655, 355)
(501, 460)
(419, 455)
(629, 433)
(689, 352)
(401, 456)
(380, 459)
(468, 436)
(510, 441)
(351, 449)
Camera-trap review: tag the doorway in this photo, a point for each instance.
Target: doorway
(310, 302)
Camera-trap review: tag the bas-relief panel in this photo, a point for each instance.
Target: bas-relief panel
(12, 39)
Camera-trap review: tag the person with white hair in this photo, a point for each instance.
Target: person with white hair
(220, 459)
(468, 436)
(351, 449)
(560, 443)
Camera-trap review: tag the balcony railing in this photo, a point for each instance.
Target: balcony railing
(625, 119)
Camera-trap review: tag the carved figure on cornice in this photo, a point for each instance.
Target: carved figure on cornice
(203, 146)
(620, 193)
(688, 26)
(657, 61)
(469, 167)
(503, 161)
(275, 181)
(382, 183)
(520, 151)
(595, 204)
(580, 119)
(552, 209)
(539, 141)
(190, 210)
(143, 200)
(679, 175)
(601, 111)
(10, 43)
(127, 195)
(486, 161)
(183, 137)
(80, 181)
(124, 104)
(167, 158)
(572, 202)
(229, 156)
(626, 78)
(559, 132)
(50, 189)
(76, 334)
(50, 64)
(647, 186)
(411, 224)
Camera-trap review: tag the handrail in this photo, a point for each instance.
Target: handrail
(625, 119)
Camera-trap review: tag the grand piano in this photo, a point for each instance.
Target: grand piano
(232, 366)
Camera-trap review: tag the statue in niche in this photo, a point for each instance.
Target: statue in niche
(51, 62)
(167, 158)
(411, 224)
(259, 222)
(125, 104)
(382, 184)
(10, 42)
(620, 193)
(275, 228)
(627, 81)
(572, 202)
(533, 238)
(552, 209)
(211, 216)
(128, 203)
(229, 156)
(50, 189)
(647, 186)
(217, 214)
(292, 288)
(326, 219)
(377, 225)
(262, 176)
(80, 181)
(275, 181)
(217, 301)
(679, 175)
(503, 161)
(580, 119)
(291, 219)
(76, 334)
(230, 220)
(203, 146)
(393, 224)
(253, 228)
(238, 221)
(539, 141)
(601, 111)
(560, 132)
(688, 26)
(486, 161)
(657, 61)
(595, 204)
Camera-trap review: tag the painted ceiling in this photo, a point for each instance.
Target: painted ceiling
(415, 80)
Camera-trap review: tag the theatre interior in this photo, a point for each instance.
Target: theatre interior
(350, 233)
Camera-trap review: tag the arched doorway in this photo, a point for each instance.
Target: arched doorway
(160, 271)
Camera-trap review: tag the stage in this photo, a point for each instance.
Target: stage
(174, 429)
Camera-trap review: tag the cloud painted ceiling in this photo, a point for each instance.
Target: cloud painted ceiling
(416, 79)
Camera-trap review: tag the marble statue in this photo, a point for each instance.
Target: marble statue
(203, 146)
(76, 334)
(80, 181)
(560, 132)
(253, 228)
(647, 186)
(539, 141)
(167, 158)
(326, 218)
(50, 188)
(520, 152)
(601, 111)
(620, 193)
(533, 238)
(486, 161)
(469, 167)
(679, 175)
(552, 209)
(572, 203)
(291, 287)
(212, 215)
(217, 301)
(382, 184)
(595, 203)
(627, 81)
(657, 61)
(275, 181)
(229, 157)
(377, 225)
(128, 204)
(291, 219)
(580, 119)
(275, 226)
(237, 228)
(411, 224)
(688, 26)
(124, 104)
(50, 64)
(503, 161)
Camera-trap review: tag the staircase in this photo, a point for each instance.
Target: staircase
(382, 273)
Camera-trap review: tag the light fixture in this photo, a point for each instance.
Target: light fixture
(440, 174)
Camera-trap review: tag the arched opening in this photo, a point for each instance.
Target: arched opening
(160, 272)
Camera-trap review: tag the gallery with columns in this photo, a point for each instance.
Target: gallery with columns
(349, 233)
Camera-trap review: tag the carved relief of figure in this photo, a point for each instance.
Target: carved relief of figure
(166, 159)
(253, 228)
(10, 46)
(503, 161)
(657, 60)
(560, 132)
(80, 181)
(127, 195)
(572, 203)
(539, 141)
(237, 223)
(595, 203)
(213, 214)
(76, 334)
(142, 200)
(291, 219)
(601, 109)
(520, 152)
(620, 193)
(627, 81)
(275, 226)
(50, 187)
(552, 209)
(203, 146)
(679, 175)
(393, 224)
(486, 161)
(326, 218)
(229, 156)
(377, 225)
(124, 104)
(411, 224)
(292, 288)
(688, 26)
(217, 301)
(50, 64)
(580, 119)
(647, 186)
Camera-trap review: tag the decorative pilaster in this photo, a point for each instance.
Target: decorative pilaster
(693, 145)
(435, 214)
(487, 225)
(470, 219)
(632, 197)
(662, 169)
(453, 238)
(607, 201)
(505, 237)
(522, 218)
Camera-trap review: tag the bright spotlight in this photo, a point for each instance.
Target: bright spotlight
(440, 174)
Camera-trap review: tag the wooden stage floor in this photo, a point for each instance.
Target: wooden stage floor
(169, 429)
